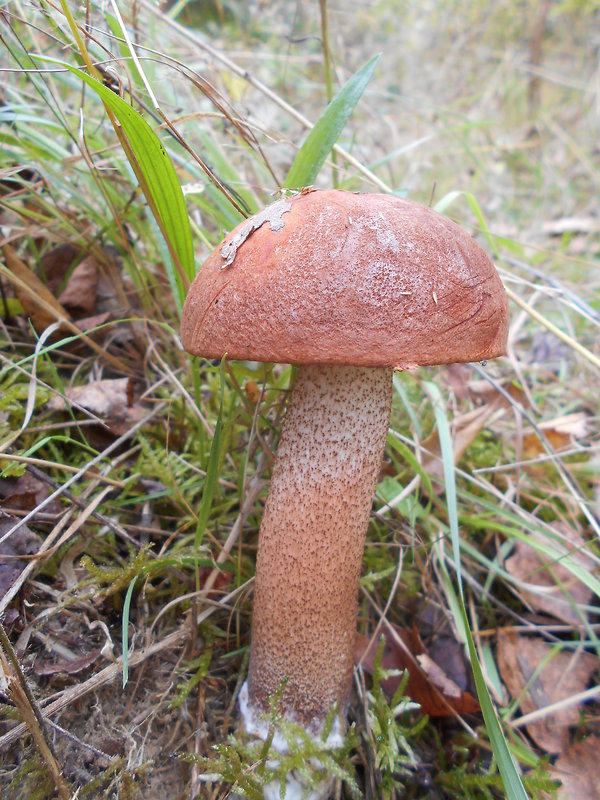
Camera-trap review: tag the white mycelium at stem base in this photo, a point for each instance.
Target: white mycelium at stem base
(312, 539)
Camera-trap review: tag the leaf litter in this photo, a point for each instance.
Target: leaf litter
(23, 542)
(79, 295)
(539, 674)
(577, 770)
(110, 399)
(548, 586)
(429, 684)
(24, 493)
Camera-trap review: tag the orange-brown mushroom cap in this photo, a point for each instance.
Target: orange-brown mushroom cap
(332, 277)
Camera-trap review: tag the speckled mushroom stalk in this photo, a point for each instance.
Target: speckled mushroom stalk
(312, 539)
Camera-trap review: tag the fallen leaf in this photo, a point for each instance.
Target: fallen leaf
(539, 677)
(449, 653)
(105, 398)
(79, 295)
(438, 678)
(88, 323)
(25, 493)
(23, 542)
(460, 379)
(428, 684)
(560, 433)
(38, 301)
(434, 626)
(221, 582)
(56, 262)
(554, 589)
(465, 430)
(558, 227)
(578, 769)
(110, 399)
(72, 667)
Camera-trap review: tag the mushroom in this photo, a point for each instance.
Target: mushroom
(349, 287)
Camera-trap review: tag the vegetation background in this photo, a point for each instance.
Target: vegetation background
(139, 473)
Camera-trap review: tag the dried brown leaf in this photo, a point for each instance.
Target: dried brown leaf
(460, 379)
(79, 295)
(221, 582)
(25, 494)
(578, 769)
(539, 677)
(554, 589)
(23, 542)
(56, 262)
(450, 654)
(110, 399)
(560, 433)
(465, 431)
(38, 301)
(438, 678)
(46, 667)
(428, 685)
(88, 323)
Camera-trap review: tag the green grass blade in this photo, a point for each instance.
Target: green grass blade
(212, 475)
(450, 198)
(125, 630)
(506, 764)
(447, 453)
(117, 31)
(325, 133)
(159, 173)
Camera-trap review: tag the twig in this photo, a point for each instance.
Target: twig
(81, 503)
(564, 337)
(100, 754)
(48, 548)
(33, 720)
(41, 462)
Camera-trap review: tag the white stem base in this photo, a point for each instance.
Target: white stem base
(295, 788)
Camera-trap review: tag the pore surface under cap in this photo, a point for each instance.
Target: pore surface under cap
(362, 279)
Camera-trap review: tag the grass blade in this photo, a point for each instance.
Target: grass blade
(212, 474)
(317, 145)
(442, 205)
(153, 167)
(125, 629)
(506, 765)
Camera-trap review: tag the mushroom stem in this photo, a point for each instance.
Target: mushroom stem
(311, 542)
